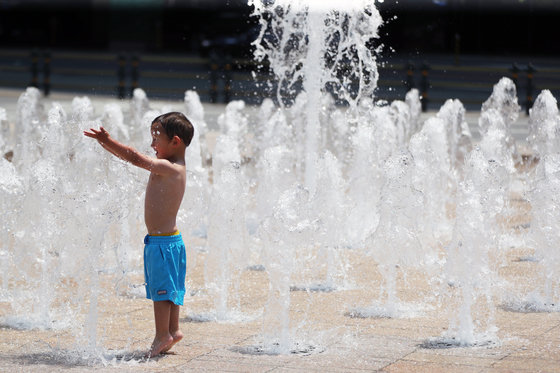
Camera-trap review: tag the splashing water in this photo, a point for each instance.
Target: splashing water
(480, 199)
(544, 202)
(313, 47)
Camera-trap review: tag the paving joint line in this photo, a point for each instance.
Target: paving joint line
(402, 358)
(522, 347)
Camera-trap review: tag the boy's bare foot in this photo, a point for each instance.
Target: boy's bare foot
(177, 336)
(160, 345)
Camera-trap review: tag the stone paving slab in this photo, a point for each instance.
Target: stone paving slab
(529, 342)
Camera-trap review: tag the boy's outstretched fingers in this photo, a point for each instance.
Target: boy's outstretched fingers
(96, 133)
(92, 132)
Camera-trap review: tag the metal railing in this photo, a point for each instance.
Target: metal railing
(219, 78)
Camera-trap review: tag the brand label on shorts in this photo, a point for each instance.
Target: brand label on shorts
(162, 292)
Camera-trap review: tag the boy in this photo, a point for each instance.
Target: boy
(164, 251)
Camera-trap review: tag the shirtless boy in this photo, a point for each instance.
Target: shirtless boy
(164, 251)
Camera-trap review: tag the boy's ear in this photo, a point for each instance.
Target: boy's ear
(176, 140)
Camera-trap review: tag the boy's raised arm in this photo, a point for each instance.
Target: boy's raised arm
(129, 154)
(120, 150)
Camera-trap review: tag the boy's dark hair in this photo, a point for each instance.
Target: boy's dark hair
(176, 124)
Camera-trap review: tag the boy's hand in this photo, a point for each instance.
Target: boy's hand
(100, 135)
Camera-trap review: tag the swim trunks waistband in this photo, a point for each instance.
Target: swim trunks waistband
(163, 239)
(166, 234)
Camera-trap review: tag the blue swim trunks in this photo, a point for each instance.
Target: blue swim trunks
(165, 266)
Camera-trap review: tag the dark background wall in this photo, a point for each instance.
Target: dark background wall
(520, 27)
(513, 27)
(445, 48)
(149, 26)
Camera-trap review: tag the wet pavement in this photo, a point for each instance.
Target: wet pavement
(328, 338)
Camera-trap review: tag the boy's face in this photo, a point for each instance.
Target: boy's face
(161, 143)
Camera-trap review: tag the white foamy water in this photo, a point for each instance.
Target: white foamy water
(322, 5)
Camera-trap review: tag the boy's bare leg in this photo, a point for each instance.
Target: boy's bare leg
(163, 338)
(174, 326)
